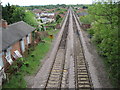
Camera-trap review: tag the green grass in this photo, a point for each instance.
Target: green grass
(53, 32)
(17, 79)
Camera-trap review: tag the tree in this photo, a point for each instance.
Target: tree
(13, 13)
(105, 35)
(30, 18)
(7, 13)
(58, 17)
(16, 13)
(85, 7)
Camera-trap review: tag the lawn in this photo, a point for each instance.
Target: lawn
(33, 60)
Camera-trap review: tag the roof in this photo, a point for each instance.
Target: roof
(37, 11)
(14, 33)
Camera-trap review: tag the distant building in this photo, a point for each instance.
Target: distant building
(47, 14)
(37, 11)
(47, 17)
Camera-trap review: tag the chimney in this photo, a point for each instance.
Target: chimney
(3, 24)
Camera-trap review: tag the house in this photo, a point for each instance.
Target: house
(37, 11)
(47, 14)
(50, 10)
(15, 39)
(46, 19)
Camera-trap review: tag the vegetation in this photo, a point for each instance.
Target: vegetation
(14, 13)
(33, 60)
(58, 18)
(61, 10)
(45, 6)
(11, 13)
(104, 31)
(86, 19)
(30, 18)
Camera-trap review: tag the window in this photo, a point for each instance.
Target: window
(17, 54)
(28, 39)
(8, 56)
(1, 61)
(22, 45)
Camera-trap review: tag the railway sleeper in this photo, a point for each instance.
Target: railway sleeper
(82, 70)
(82, 76)
(53, 82)
(52, 86)
(84, 83)
(83, 65)
(80, 67)
(53, 79)
(83, 79)
(54, 70)
(54, 76)
(84, 86)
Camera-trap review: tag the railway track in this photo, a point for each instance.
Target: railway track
(82, 75)
(56, 73)
(58, 76)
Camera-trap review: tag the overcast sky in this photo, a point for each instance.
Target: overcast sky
(44, 2)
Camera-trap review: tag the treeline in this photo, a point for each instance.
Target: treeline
(45, 6)
(81, 5)
(104, 31)
(54, 6)
(14, 13)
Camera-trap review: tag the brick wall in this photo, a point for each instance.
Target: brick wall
(15, 47)
(31, 38)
